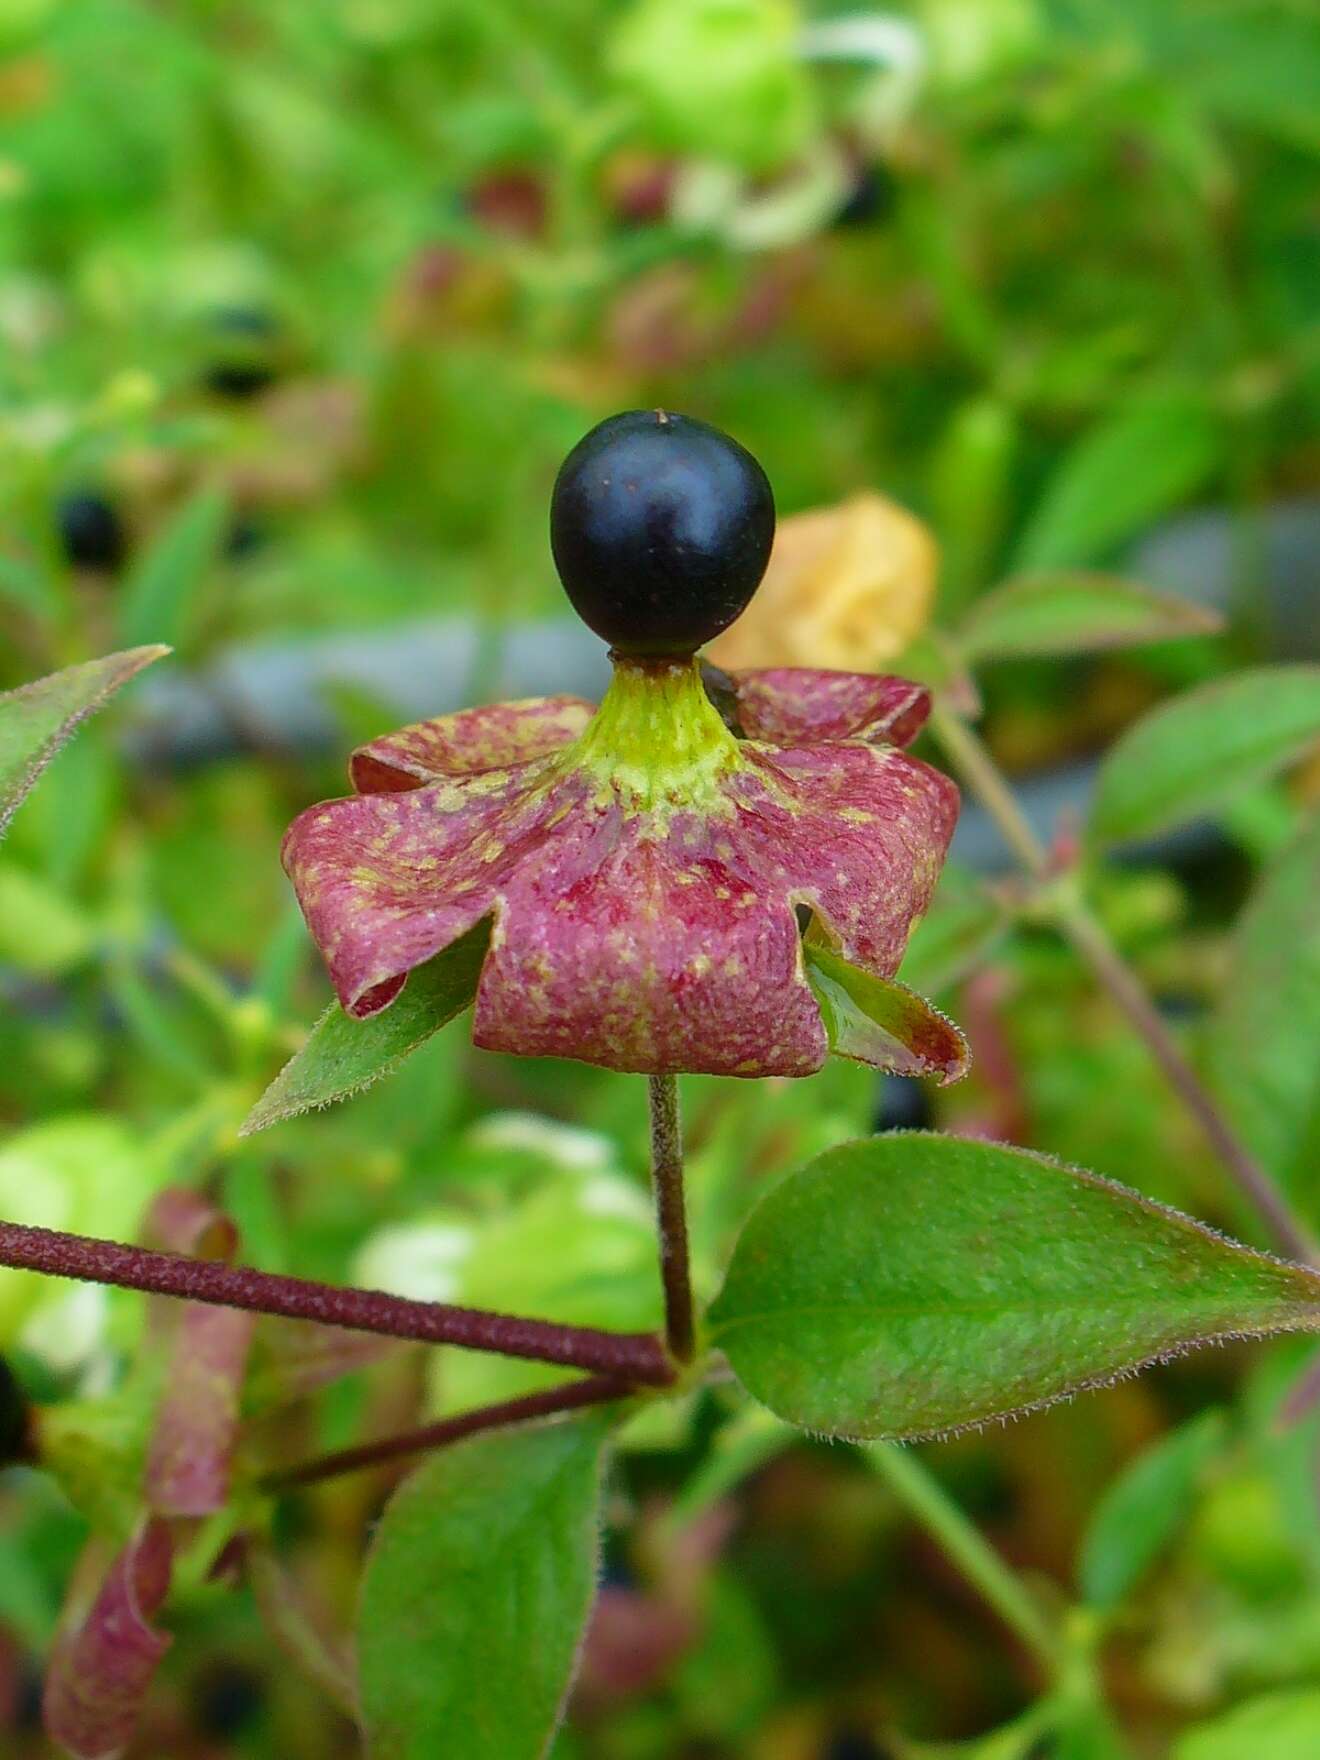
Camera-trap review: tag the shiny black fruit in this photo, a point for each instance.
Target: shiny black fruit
(91, 534)
(661, 528)
(246, 345)
(14, 1418)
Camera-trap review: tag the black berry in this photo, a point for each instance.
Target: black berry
(870, 200)
(850, 1744)
(661, 528)
(243, 539)
(245, 347)
(14, 1418)
(90, 532)
(228, 1699)
(903, 1105)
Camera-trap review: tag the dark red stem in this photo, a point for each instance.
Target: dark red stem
(629, 1356)
(595, 1391)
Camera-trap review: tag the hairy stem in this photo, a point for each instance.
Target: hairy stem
(671, 1215)
(595, 1391)
(925, 1499)
(969, 757)
(628, 1356)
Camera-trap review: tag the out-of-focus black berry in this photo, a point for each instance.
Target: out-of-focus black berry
(27, 1701)
(229, 1697)
(15, 1418)
(870, 200)
(245, 346)
(238, 381)
(90, 531)
(244, 539)
(852, 1744)
(661, 528)
(903, 1105)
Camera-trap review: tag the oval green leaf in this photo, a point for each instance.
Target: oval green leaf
(1067, 611)
(342, 1056)
(158, 593)
(1193, 754)
(36, 719)
(912, 1285)
(476, 1593)
(1130, 467)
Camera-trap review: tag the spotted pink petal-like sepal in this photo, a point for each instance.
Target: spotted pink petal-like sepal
(646, 878)
(794, 706)
(467, 743)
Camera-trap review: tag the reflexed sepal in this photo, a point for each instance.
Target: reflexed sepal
(342, 1056)
(643, 880)
(881, 1022)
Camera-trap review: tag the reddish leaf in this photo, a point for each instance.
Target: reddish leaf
(190, 1458)
(190, 1461)
(104, 1659)
(180, 1221)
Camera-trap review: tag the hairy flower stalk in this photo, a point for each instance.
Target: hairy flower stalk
(671, 1216)
(631, 1356)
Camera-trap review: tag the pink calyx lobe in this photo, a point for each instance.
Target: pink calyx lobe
(642, 867)
(108, 1650)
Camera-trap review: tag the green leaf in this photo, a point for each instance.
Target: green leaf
(1129, 468)
(913, 1284)
(1255, 65)
(1143, 1507)
(342, 1056)
(476, 1593)
(1069, 611)
(158, 591)
(1260, 1048)
(42, 932)
(1196, 752)
(1276, 1726)
(717, 80)
(881, 1023)
(36, 719)
(970, 481)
